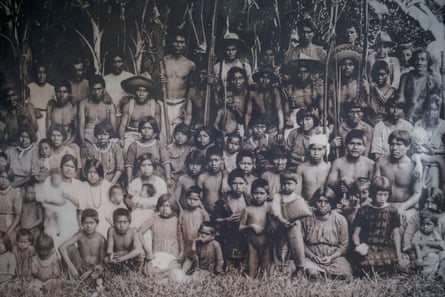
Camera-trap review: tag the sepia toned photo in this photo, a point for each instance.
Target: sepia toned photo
(222, 148)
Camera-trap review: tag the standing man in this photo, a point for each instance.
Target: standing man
(113, 80)
(178, 72)
(40, 93)
(306, 49)
(95, 109)
(79, 84)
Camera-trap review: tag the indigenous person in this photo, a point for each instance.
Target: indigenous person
(79, 84)
(326, 237)
(40, 93)
(114, 79)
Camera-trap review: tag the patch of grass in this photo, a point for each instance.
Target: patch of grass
(236, 285)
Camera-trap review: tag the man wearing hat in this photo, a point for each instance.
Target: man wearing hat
(232, 47)
(382, 47)
(306, 49)
(178, 72)
(139, 106)
(265, 102)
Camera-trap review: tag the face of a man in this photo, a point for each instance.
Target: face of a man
(395, 112)
(405, 56)
(382, 77)
(421, 63)
(265, 80)
(98, 91)
(238, 81)
(351, 35)
(307, 35)
(354, 116)
(397, 149)
(79, 71)
(269, 57)
(347, 67)
(355, 147)
(231, 52)
(382, 50)
(62, 94)
(178, 45)
(303, 74)
(118, 64)
(41, 75)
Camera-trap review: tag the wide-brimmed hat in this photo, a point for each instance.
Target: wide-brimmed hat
(131, 84)
(314, 66)
(264, 70)
(346, 51)
(383, 38)
(232, 38)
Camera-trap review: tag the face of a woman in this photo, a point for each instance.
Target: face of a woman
(323, 206)
(24, 140)
(203, 138)
(69, 169)
(147, 131)
(146, 168)
(92, 176)
(57, 138)
(103, 138)
(308, 123)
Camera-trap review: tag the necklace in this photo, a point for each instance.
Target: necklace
(92, 196)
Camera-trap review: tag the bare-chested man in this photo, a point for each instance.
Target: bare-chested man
(230, 117)
(79, 84)
(347, 169)
(398, 168)
(178, 71)
(63, 111)
(265, 102)
(139, 106)
(314, 171)
(95, 109)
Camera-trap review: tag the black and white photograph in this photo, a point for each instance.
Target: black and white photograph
(222, 148)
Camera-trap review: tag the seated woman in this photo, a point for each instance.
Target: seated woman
(326, 238)
(23, 157)
(57, 137)
(107, 151)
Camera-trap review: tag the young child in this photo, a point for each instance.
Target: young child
(164, 227)
(206, 253)
(45, 264)
(245, 161)
(357, 197)
(32, 212)
(227, 216)
(124, 249)
(10, 203)
(289, 208)
(315, 170)
(278, 159)
(145, 190)
(204, 139)
(45, 152)
(259, 141)
(8, 262)
(428, 245)
(212, 182)
(233, 146)
(24, 251)
(194, 162)
(377, 230)
(149, 143)
(178, 150)
(84, 253)
(255, 222)
(190, 219)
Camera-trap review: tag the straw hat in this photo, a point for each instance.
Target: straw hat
(347, 51)
(131, 84)
(232, 38)
(383, 38)
(312, 65)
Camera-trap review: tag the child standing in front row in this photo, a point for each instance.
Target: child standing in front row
(289, 208)
(233, 146)
(24, 251)
(377, 231)
(190, 220)
(255, 222)
(429, 245)
(8, 262)
(32, 213)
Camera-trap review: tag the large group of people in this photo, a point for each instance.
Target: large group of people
(241, 168)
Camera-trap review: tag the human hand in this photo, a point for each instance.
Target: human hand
(362, 249)
(73, 271)
(235, 218)
(163, 79)
(337, 141)
(325, 260)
